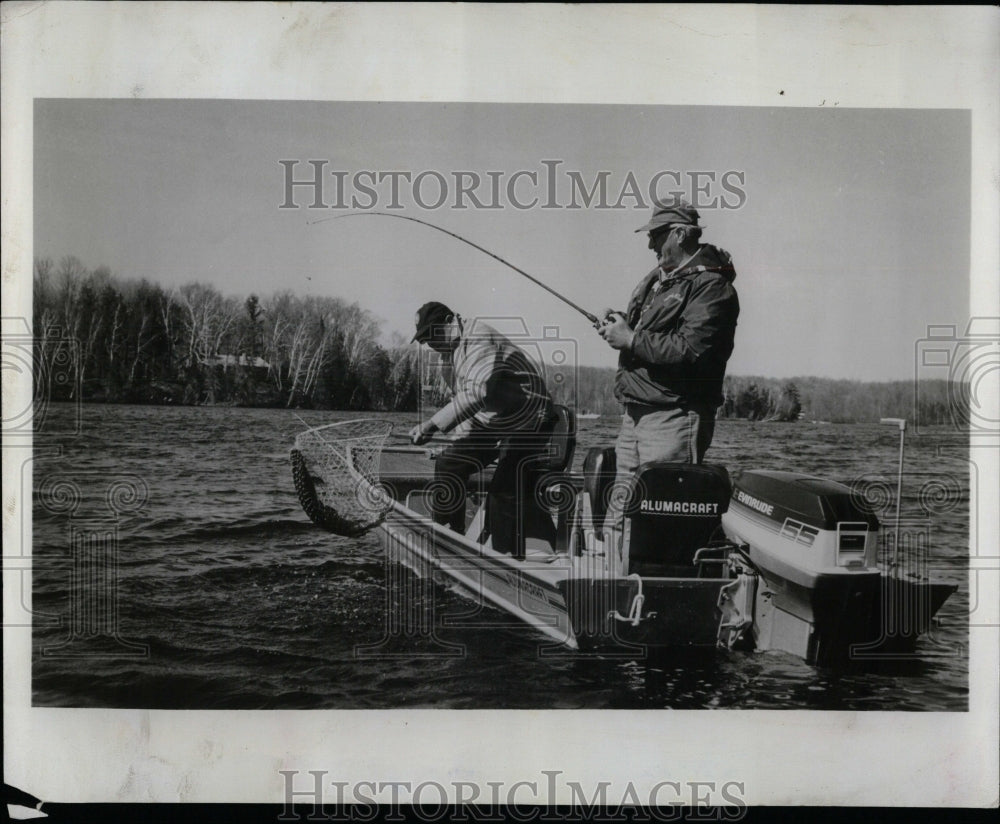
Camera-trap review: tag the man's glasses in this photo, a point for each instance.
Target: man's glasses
(659, 234)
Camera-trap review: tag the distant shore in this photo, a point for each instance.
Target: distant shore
(802, 418)
(103, 339)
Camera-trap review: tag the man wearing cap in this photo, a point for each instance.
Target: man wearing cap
(674, 341)
(504, 411)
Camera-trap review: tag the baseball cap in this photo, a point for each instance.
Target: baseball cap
(429, 315)
(670, 214)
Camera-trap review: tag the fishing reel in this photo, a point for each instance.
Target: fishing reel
(609, 317)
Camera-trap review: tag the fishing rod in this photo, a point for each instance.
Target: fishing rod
(589, 316)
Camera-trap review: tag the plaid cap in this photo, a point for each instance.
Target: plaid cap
(430, 315)
(671, 214)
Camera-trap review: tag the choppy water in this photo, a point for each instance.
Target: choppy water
(227, 596)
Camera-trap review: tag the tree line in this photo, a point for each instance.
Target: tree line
(99, 337)
(745, 398)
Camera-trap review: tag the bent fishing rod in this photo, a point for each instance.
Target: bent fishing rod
(596, 321)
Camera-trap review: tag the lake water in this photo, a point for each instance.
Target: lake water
(215, 591)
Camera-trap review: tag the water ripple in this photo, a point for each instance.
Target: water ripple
(244, 604)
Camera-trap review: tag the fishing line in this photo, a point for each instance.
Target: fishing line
(591, 317)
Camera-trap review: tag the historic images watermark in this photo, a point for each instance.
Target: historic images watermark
(909, 592)
(311, 795)
(34, 369)
(87, 510)
(413, 609)
(88, 565)
(967, 364)
(311, 184)
(416, 621)
(49, 359)
(956, 382)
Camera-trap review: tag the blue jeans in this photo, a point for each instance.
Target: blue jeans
(679, 435)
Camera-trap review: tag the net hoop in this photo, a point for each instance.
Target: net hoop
(336, 472)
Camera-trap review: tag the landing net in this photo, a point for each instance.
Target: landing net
(336, 473)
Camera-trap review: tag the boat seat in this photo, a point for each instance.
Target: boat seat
(562, 441)
(480, 481)
(673, 511)
(598, 477)
(558, 443)
(548, 466)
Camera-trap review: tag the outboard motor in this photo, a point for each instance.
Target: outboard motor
(673, 510)
(815, 545)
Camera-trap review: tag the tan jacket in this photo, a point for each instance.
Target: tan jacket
(495, 384)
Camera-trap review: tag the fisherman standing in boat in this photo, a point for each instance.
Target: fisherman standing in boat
(675, 339)
(504, 411)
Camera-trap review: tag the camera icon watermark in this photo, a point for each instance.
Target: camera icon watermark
(957, 380)
(42, 368)
(552, 356)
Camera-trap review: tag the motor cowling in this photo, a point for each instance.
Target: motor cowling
(812, 523)
(673, 511)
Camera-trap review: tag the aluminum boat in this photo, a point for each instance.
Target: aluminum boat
(760, 561)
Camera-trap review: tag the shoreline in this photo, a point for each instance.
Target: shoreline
(369, 411)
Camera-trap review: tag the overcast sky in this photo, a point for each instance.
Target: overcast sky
(850, 232)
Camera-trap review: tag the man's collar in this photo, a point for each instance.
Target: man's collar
(676, 271)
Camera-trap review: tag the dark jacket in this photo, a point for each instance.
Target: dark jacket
(684, 330)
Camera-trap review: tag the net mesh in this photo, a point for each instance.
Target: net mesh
(336, 473)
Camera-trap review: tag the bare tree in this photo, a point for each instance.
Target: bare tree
(308, 350)
(207, 318)
(278, 315)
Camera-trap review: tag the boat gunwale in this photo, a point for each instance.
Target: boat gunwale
(542, 571)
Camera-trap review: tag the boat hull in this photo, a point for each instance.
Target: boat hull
(795, 569)
(675, 612)
(553, 596)
(529, 590)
